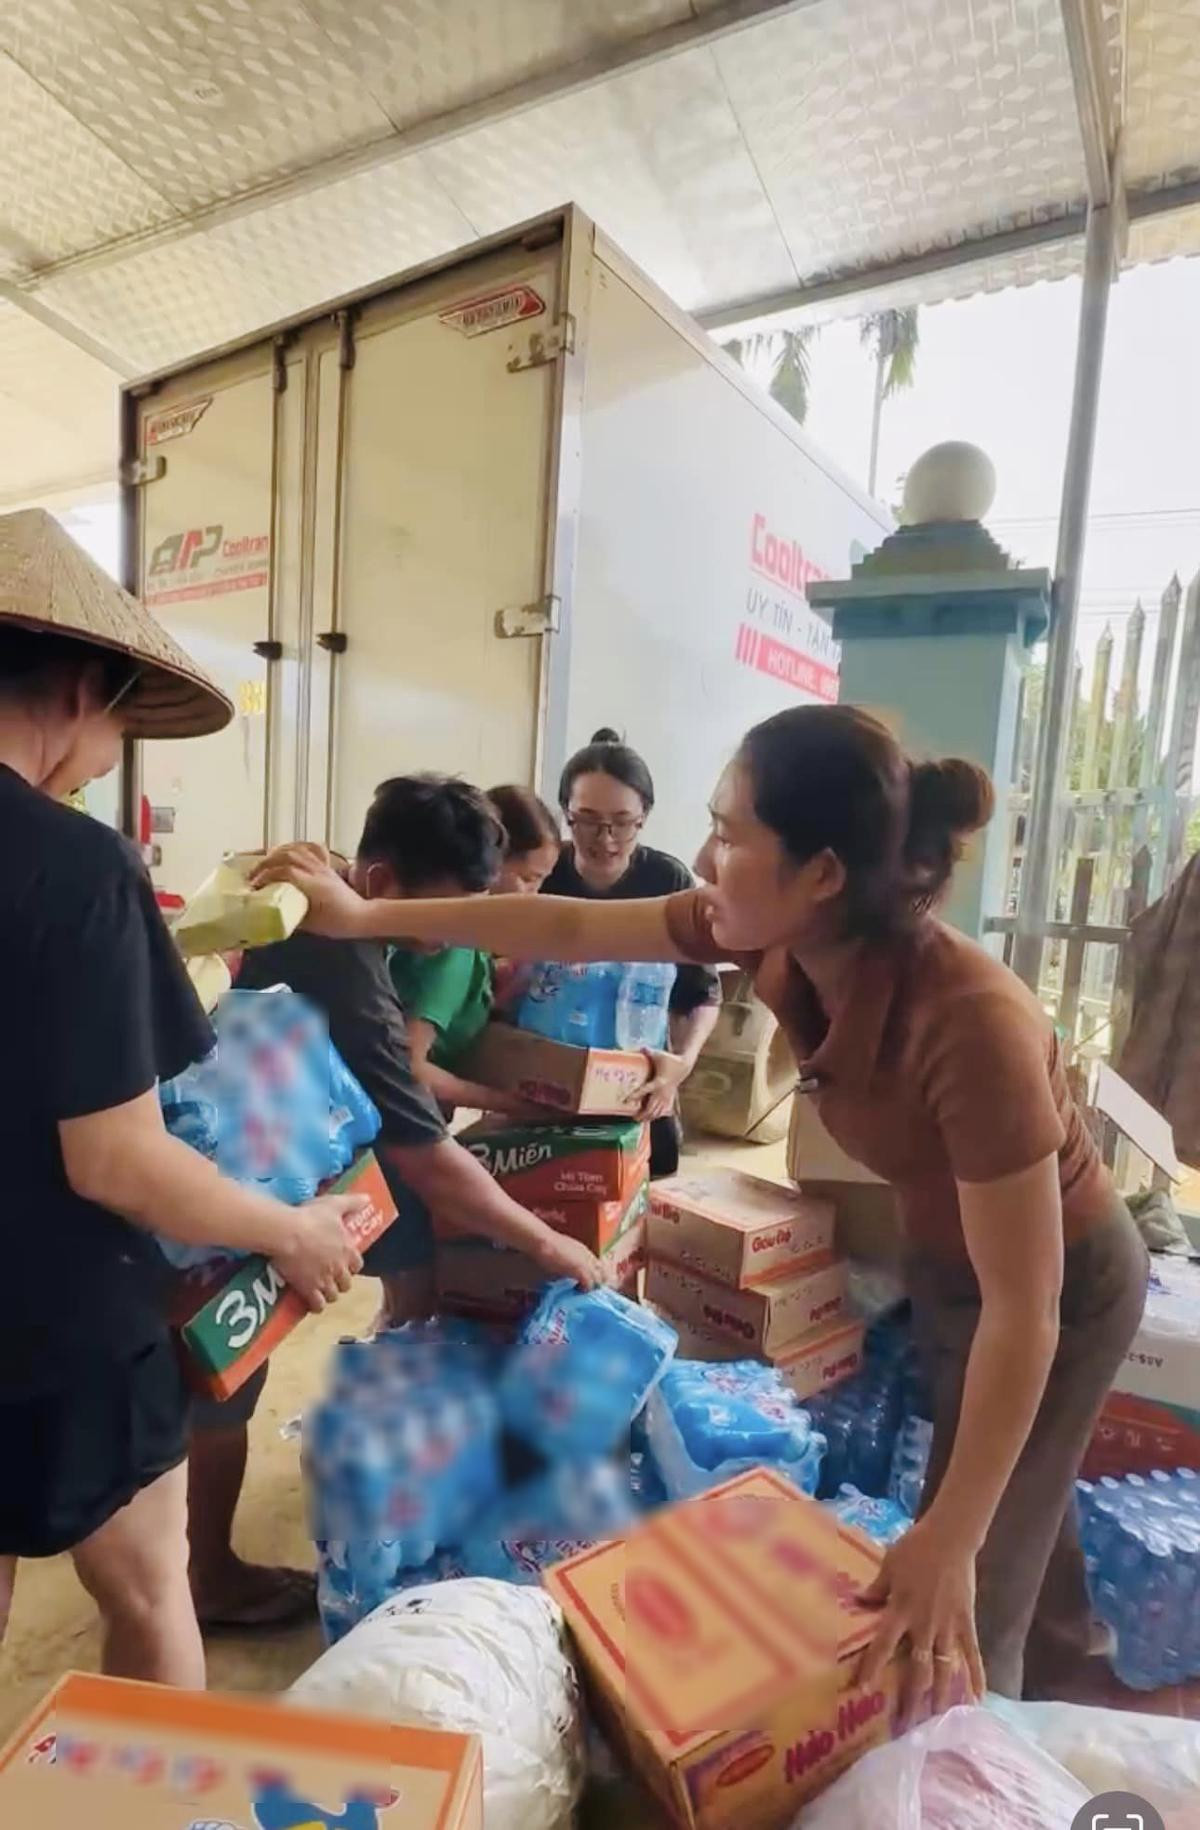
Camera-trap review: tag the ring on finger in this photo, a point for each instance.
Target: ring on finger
(921, 1655)
(943, 1658)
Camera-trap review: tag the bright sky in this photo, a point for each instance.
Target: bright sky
(998, 370)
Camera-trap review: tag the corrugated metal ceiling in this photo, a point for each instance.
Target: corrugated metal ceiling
(173, 176)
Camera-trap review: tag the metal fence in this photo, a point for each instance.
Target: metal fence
(1124, 826)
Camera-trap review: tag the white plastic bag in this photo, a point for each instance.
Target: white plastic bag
(1115, 1750)
(476, 1657)
(964, 1771)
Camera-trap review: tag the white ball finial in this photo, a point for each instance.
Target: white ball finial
(951, 482)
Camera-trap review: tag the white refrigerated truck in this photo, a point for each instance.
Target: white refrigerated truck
(456, 523)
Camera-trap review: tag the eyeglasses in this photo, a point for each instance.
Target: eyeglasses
(590, 826)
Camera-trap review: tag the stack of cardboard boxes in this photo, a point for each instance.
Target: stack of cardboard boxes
(588, 1180)
(746, 1269)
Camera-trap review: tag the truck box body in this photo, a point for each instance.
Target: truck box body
(459, 522)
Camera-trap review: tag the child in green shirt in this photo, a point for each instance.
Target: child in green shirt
(448, 996)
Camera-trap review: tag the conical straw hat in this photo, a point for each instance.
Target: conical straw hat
(48, 582)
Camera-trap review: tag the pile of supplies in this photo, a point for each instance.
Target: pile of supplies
(746, 1269)
(1141, 1538)
(277, 1109)
(439, 1452)
(588, 1180)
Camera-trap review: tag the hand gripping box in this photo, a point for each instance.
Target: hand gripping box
(231, 1319)
(106, 1754)
(555, 1163)
(760, 1321)
(722, 1640)
(494, 1283)
(601, 1081)
(735, 1227)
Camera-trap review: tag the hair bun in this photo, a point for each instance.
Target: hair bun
(606, 735)
(950, 799)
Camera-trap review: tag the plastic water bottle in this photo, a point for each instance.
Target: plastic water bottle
(548, 1518)
(910, 1463)
(575, 1004)
(883, 1520)
(1141, 1539)
(582, 1370)
(643, 998)
(706, 1423)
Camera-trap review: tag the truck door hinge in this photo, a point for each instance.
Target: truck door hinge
(539, 618)
(542, 346)
(268, 651)
(333, 641)
(138, 471)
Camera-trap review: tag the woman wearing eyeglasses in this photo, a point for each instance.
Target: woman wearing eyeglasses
(607, 795)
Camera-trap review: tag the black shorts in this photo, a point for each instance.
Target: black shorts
(70, 1459)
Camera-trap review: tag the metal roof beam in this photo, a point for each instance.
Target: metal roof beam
(53, 320)
(864, 280)
(1094, 102)
(716, 22)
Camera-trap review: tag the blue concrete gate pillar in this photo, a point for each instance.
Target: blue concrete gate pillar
(936, 627)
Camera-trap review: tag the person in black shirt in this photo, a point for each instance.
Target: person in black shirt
(607, 795)
(97, 1009)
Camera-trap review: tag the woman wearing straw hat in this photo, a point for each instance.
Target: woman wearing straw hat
(97, 1008)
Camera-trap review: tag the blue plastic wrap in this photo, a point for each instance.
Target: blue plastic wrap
(705, 1423)
(582, 1369)
(550, 1517)
(881, 1519)
(274, 1105)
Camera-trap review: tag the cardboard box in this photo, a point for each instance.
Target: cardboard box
(106, 1754)
(735, 1227)
(1152, 1417)
(762, 1320)
(494, 1283)
(596, 1224)
(553, 1163)
(721, 1639)
(601, 1081)
(230, 1320)
(822, 1358)
(867, 1222)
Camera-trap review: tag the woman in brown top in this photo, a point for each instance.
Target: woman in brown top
(935, 1067)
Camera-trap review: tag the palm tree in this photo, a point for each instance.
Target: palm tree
(782, 355)
(893, 338)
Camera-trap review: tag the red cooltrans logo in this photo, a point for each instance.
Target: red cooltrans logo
(781, 559)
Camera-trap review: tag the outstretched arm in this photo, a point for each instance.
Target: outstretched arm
(516, 927)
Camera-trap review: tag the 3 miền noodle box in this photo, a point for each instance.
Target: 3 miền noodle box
(231, 1319)
(550, 1163)
(722, 1640)
(107, 1754)
(734, 1227)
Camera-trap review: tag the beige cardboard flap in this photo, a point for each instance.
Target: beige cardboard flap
(1137, 1120)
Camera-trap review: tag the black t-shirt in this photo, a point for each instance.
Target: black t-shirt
(651, 873)
(96, 1007)
(350, 982)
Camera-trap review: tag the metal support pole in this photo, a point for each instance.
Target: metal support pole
(1041, 837)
